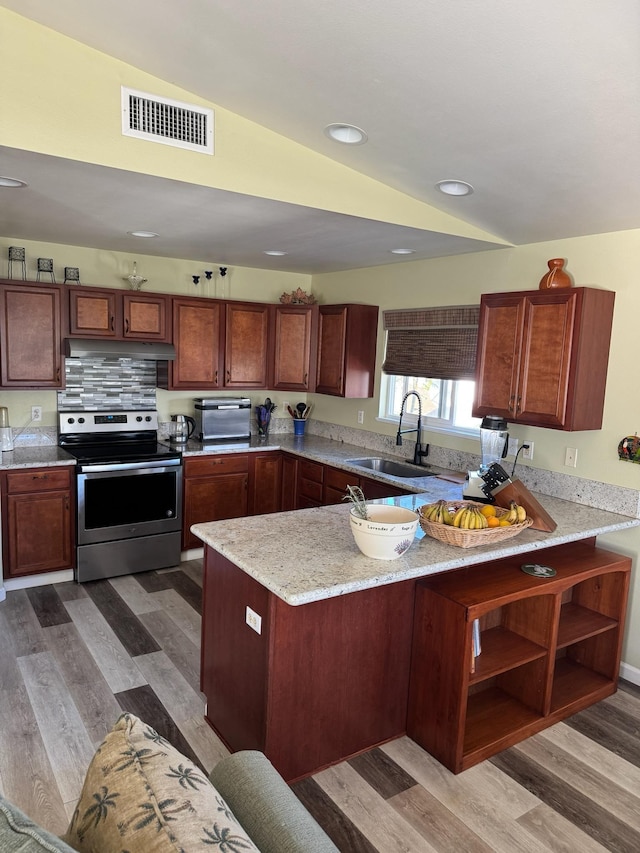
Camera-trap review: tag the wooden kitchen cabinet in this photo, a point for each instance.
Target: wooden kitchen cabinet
(289, 481)
(542, 357)
(30, 336)
(265, 482)
(347, 350)
(295, 347)
(549, 647)
(214, 487)
(109, 313)
(246, 345)
(38, 520)
(198, 337)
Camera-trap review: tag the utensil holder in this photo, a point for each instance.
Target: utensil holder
(298, 426)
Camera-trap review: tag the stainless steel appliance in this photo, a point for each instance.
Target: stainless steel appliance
(220, 418)
(182, 428)
(129, 493)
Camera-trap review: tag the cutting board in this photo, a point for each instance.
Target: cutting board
(518, 492)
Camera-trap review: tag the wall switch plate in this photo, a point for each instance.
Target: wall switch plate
(360, 417)
(527, 453)
(253, 620)
(571, 457)
(512, 447)
(36, 414)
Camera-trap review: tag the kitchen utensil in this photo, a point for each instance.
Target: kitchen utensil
(183, 430)
(300, 408)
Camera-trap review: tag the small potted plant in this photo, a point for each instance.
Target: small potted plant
(381, 531)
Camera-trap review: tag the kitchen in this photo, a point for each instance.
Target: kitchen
(605, 260)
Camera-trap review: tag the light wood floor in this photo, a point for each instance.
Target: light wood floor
(74, 657)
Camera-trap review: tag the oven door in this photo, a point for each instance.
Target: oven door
(128, 500)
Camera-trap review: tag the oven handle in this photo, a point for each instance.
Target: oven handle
(93, 467)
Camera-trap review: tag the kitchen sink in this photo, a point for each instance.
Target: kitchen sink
(390, 467)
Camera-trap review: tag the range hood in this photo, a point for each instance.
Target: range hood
(96, 348)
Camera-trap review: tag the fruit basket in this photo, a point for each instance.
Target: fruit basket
(471, 538)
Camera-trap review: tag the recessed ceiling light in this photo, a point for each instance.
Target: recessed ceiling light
(11, 182)
(348, 134)
(275, 252)
(142, 233)
(402, 251)
(454, 187)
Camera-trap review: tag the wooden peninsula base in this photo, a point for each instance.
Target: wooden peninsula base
(322, 681)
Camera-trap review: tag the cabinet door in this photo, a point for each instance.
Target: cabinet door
(211, 499)
(39, 533)
(295, 328)
(288, 500)
(30, 345)
(94, 313)
(145, 317)
(498, 355)
(246, 343)
(265, 490)
(374, 489)
(197, 331)
(347, 350)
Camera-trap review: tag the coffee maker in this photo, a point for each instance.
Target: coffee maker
(494, 440)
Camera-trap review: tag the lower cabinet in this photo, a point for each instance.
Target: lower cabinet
(215, 487)
(321, 485)
(548, 647)
(265, 482)
(38, 524)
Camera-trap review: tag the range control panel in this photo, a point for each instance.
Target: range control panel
(105, 422)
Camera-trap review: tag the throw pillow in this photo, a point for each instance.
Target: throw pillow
(19, 834)
(141, 794)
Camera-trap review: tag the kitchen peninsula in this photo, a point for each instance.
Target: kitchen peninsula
(307, 644)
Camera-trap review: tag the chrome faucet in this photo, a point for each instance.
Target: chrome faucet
(420, 450)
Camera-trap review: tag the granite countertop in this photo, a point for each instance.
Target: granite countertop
(35, 457)
(310, 554)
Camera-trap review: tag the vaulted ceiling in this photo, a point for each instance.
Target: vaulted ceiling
(534, 103)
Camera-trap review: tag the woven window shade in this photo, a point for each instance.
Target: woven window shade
(437, 343)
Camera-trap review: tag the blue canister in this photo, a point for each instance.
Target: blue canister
(298, 426)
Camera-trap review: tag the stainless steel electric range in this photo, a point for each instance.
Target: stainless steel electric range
(129, 493)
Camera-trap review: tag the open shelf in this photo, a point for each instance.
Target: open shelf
(572, 682)
(502, 650)
(578, 623)
(493, 715)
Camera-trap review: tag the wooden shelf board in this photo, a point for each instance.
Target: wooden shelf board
(493, 715)
(502, 650)
(573, 683)
(577, 623)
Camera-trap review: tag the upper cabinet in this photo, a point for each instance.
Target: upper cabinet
(347, 350)
(109, 313)
(198, 326)
(295, 347)
(30, 340)
(246, 345)
(543, 356)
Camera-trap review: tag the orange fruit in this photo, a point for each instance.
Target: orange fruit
(493, 521)
(488, 510)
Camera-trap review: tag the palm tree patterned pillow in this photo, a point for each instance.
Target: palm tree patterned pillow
(141, 794)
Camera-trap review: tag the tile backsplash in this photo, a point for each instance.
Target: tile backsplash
(98, 384)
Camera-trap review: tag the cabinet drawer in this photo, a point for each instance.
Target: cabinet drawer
(42, 479)
(205, 466)
(311, 470)
(311, 490)
(334, 478)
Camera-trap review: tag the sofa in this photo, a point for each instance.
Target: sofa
(141, 795)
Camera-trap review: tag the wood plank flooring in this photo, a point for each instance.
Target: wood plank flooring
(75, 656)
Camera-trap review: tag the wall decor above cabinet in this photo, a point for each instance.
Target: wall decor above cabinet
(543, 355)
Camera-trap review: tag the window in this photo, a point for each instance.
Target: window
(446, 404)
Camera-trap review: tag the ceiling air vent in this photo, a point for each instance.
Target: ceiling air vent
(169, 122)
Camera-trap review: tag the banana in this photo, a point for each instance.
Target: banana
(522, 514)
(457, 518)
(512, 515)
(446, 515)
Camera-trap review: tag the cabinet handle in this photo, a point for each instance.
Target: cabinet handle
(304, 381)
(510, 404)
(216, 378)
(518, 406)
(126, 325)
(113, 323)
(39, 476)
(228, 375)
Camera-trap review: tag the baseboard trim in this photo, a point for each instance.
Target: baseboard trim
(38, 580)
(630, 673)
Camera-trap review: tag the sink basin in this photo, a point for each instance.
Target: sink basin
(390, 467)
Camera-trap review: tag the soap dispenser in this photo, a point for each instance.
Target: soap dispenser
(6, 434)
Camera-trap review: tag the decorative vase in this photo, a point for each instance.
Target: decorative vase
(556, 277)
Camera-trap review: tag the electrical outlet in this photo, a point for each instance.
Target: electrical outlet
(285, 405)
(512, 447)
(360, 417)
(527, 453)
(571, 457)
(253, 620)
(36, 414)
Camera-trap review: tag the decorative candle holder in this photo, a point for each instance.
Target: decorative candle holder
(45, 265)
(17, 256)
(72, 274)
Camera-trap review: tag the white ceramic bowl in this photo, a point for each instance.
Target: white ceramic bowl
(387, 533)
